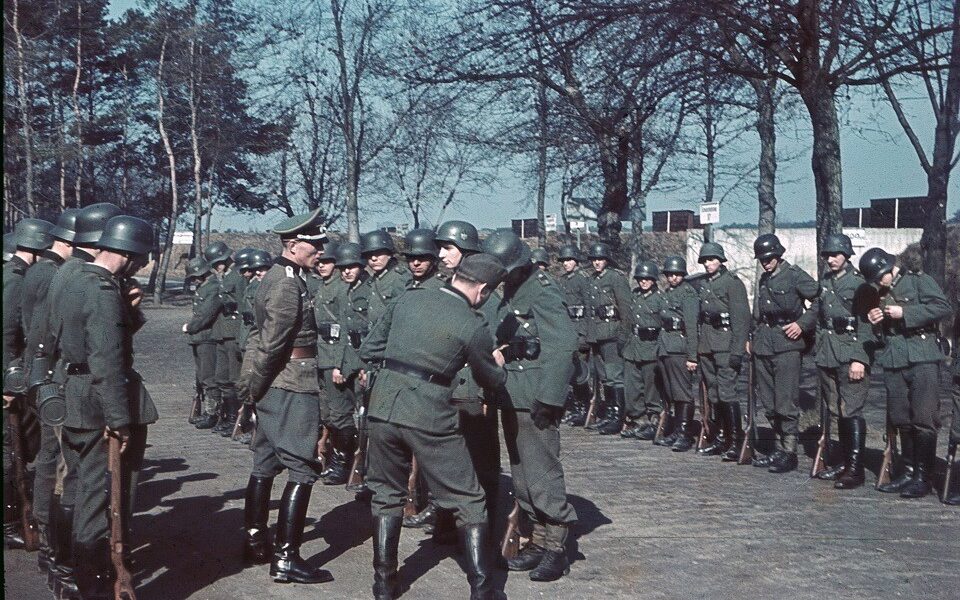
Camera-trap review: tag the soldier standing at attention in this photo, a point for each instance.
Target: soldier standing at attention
(541, 258)
(207, 306)
(643, 382)
(537, 341)
(388, 279)
(677, 350)
(952, 496)
(576, 293)
(609, 301)
(725, 325)
(421, 254)
(257, 263)
(32, 237)
(911, 305)
(106, 396)
(844, 341)
(781, 319)
(280, 376)
(196, 274)
(226, 330)
(411, 415)
(353, 304)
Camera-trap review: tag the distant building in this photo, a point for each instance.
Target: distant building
(675, 220)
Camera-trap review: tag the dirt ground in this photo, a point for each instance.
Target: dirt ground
(653, 524)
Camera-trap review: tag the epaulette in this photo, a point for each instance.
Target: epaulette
(441, 276)
(543, 278)
(19, 270)
(290, 273)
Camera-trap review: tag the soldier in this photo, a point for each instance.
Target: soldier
(32, 238)
(226, 330)
(677, 350)
(781, 320)
(844, 342)
(421, 254)
(724, 327)
(388, 279)
(207, 306)
(36, 284)
(241, 262)
(88, 228)
(609, 300)
(911, 305)
(952, 496)
(576, 293)
(195, 273)
(643, 382)
(539, 257)
(537, 340)
(353, 302)
(106, 396)
(280, 375)
(256, 264)
(411, 415)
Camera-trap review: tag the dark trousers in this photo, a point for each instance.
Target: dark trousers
(677, 379)
(845, 398)
(337, 401)
(538, 482)
(229, 359)
(206, 359)
(92, 505)
(643, 388)
(608, 362)
(912, 396)
(481, 433)
(288, 426)
(778, 388)
(445, 466)
(45, 473)
(720, 377)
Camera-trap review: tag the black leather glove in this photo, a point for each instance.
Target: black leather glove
(736, 361)
(545, 415)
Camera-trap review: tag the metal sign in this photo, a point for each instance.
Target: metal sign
(709, 212)
(183, 238)
(550, 222)
(577, 225)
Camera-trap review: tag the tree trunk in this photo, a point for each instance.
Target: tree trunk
(174, 204)
(821, 104)
(347, 126)
(24, 104)
(541, 161)
(77, 114)
(195, 147)
(767, 130)
(614, 152)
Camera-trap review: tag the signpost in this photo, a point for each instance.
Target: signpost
(183, 238)
(709, 212)
(550, 222)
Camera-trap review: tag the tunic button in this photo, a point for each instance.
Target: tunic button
(516, 312)
(520, 367)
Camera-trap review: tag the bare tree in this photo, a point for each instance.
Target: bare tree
(174, 210)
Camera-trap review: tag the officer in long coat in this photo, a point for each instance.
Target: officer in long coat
(780, 321)
(724, 327)
(576, 293)
(411, 414)
(106, 396)
(279, 374)
(643, 381)
(911, 305)
(844, 343)
(537, 341)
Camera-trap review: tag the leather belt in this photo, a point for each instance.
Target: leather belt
(607, 312)
(673, 324)
(716, 320)
(416, 372)
(647, 334)
(839, 324)
(576, 311)
(778, 319)
(78, 369)
(303, 352)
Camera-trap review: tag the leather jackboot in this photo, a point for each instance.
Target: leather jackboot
(617, 413)
(735, 423)
(287, 565)
(386, 541)
(905, 433)
(444, 527)
(925, 458)
(94, 571)
(62, 576)
(228, 415)
(684, 440)
(475, 545)
(602, 411)
(721, 441)
(256, 508)
(531, 554)
(671, 427)
(836, 471)
(207, 421)
(425, 517)
(852, 476)
(554, 563)
(344, 447)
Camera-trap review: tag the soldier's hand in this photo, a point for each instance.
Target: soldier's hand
(499, 358)
(857, 371)
(792, 330)
(893, 311)
(746, 346)
(121, 433)
(338, 377)
(135, 295)
(362, 378)
(691, 366)
(184, 328)
(8, 401)
(875, 316)
(545, 415)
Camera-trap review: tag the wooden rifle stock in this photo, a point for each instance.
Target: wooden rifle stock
(823, 444)
(197, 409)
(886, 468)
(510, 546)
(592, 410)
(31, 536)
(123, 586)
(749, 440)
(358, 469)
(948, 476)
(410, 506)
(662, 424)
(322, 446)
(705, 432)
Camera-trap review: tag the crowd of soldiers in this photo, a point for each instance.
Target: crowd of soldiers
(340, 363)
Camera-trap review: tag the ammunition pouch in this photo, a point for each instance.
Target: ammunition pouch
(646, 334)
(355, 336)
(329, 332)
(248, 319)
(673, 324)
(77, 368)
(839, 324)
(779, 318)
(716, 320)
(51, 405)
(230, 308)
(607, 312)
(523, 348)
(576, 311)
(14, 380)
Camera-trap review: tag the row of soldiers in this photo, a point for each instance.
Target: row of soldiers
(648, 344)
(70, 310)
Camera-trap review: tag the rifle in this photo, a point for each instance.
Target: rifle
(886, 468)
(591, 412)
(662, 424)
(749, 440)
(358, 470)
(823, 444)
(410, 506)
(510, 546)
(197, 409)
(322, 446)
(123, 586)
(238, 426)
(31, 535)
(948, 476)
(704, 416)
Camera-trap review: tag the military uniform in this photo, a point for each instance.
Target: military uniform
(780, 301)
(433, 281)
(207, 308)
(676, 345)
(643, 382)
(385, 287)
(608, 300)
(246, 313)
(576, 294)
(227, 331)
(13, 345)
(336, 403)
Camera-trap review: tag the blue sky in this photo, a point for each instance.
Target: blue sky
(878, 162)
